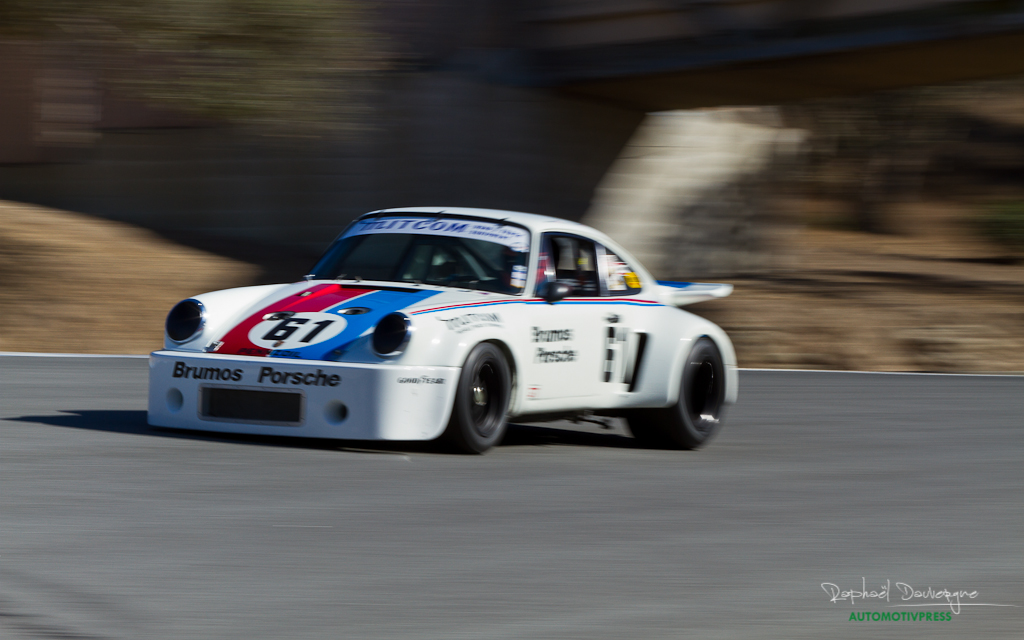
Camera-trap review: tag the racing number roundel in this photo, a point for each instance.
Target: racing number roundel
(297, 331)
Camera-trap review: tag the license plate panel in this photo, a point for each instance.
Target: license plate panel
(252, 406)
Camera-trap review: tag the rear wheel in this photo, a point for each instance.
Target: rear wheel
(478, 419)
(697, 414)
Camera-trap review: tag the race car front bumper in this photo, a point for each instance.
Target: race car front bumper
(313, 399)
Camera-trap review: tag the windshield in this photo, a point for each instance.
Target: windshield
(451, 252)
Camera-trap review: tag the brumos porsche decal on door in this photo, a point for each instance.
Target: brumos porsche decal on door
(548, 352)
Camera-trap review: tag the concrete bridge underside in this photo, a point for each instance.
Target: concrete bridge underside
(670, 54)
(828, 75)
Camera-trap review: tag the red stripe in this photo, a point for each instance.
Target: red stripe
(320, 297)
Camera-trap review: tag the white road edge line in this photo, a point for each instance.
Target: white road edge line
(889, 373)
(29, 354)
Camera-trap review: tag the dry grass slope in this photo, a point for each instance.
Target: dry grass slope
(77, 284)
(934, 297)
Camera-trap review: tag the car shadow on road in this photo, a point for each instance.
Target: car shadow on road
(523, 435)
(134, 423)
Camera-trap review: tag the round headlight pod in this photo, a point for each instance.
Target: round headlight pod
(185, 320)
(392, 335)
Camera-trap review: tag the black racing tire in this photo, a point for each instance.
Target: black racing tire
(698, 413)
(479, 415)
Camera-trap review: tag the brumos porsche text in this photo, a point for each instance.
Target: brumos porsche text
(550, 335)
(545, 356)
(182, 370)
(319, 378)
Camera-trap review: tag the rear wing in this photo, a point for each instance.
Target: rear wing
(683, 293)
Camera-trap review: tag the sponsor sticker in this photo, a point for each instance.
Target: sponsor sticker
(518, 276)
(467, 321)
(511, 236)
(421, 380)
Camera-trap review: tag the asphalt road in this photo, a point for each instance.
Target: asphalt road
(112, 529)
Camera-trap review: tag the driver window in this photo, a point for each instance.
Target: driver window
(443, 266)
(572, 260)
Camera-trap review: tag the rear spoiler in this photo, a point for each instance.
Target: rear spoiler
(683, 293)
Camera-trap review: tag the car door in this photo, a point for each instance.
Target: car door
(563, 337)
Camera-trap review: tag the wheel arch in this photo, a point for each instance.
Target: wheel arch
(725, 347)
(513, 369)
(700, 398)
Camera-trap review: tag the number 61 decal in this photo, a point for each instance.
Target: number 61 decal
(300, 330)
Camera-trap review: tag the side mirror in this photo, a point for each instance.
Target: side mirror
(556, 291)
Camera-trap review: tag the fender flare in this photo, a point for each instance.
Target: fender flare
(725, 347)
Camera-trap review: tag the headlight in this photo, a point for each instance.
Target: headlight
(392, 334)
(185, 320)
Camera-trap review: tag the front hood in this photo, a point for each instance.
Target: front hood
(314, 321)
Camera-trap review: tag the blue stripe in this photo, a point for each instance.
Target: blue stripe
(674, 285)
(620, 301)
(631, 303)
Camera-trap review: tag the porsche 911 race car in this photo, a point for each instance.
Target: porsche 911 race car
(426, 322)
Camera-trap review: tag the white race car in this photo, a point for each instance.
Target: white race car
(427, 322)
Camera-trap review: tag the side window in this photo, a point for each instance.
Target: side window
(569, 259)
(619, 278)
(545, 266)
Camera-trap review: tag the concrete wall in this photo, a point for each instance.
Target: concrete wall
(48, 109)
(432, 138)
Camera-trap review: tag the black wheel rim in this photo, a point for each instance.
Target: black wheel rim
(704, 395)
(485, 399)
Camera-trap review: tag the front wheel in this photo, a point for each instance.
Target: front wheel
(697, 414)
(478, 419)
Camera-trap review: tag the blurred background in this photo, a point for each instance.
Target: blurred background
(854, 167)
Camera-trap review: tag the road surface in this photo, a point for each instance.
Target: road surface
(112, 529)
